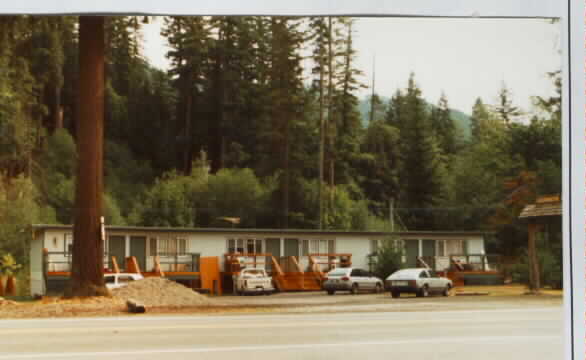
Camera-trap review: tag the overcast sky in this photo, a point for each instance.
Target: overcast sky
(465, 58)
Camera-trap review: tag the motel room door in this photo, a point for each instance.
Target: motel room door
(292, 247)
(411, 252)
(138, 250)
(273, 247)
(117, 249)
(428, 252)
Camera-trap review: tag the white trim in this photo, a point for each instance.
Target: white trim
(573, 175)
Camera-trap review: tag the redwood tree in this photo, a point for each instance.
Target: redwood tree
(87, 266)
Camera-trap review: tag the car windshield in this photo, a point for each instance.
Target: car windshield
(338, 272)
(253, 273)
(400, 273)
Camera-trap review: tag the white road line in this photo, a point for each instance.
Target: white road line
(313, 323)
(215, 317)
(497, 340)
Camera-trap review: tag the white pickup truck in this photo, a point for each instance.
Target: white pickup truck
(253, 281)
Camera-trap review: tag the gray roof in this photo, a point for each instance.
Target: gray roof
(265, 231)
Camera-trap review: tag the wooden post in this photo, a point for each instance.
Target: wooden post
(534, 282)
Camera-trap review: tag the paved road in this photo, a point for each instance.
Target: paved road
(456, 335)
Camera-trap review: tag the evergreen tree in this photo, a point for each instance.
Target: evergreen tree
(504, 109)
(423, 172)
(444, 127)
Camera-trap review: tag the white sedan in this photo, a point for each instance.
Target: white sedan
(419, 281)
(115, 281)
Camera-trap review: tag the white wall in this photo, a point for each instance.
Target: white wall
(358, 246)
(475, 246)
(37, 281)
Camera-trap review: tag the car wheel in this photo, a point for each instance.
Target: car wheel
(395, 294)
(354, 289)
(424, 291)
(378, 289)
(331, 292)
(446, 291)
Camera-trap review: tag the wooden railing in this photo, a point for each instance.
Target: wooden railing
(334, 260)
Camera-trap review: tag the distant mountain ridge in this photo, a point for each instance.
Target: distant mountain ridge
(461, 119)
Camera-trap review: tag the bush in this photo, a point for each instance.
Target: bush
(550, 269)
(387, 259)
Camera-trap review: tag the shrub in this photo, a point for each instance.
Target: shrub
(550, 269)
(387, 259)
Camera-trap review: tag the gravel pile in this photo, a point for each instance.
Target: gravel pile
(4, 302)
(157, 291)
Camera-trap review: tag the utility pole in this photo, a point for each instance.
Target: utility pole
(392, 214)
(372, 95)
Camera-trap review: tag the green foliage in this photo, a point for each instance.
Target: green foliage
(550, 267)
(237, 193)
(19, 207)
(8, 265)
(387, 259)
(423, 174)
(168, 202)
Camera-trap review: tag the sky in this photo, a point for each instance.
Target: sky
(464, 58)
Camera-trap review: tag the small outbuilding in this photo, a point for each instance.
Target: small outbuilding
(543, 219)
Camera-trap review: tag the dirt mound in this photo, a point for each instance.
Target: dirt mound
(156, 291)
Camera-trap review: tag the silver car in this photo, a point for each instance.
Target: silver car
(419, 281)
(351, 279)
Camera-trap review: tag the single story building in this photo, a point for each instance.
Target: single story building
(177, 250)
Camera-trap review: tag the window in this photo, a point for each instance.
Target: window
(68, 247)
(243, 246)
(423, 274)
(259, 246)
(181, 246)
(339, 271)
(171, 246)
(398, 245)
(316, 246)
(441, 247)
(373, 246)
(250, 246)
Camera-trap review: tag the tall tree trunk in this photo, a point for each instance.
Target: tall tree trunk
(330, 97)
(215, 132)
(188, 138)
(321, 142)
(287, 175)
(534, 281)
(87, 277)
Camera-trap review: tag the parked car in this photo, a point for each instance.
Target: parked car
(419, 281)
(115, 281)
(351, 279)
(253, 281)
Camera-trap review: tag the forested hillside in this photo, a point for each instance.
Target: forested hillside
(234, 130)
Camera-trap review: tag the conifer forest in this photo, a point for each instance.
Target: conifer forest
(260, 119)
